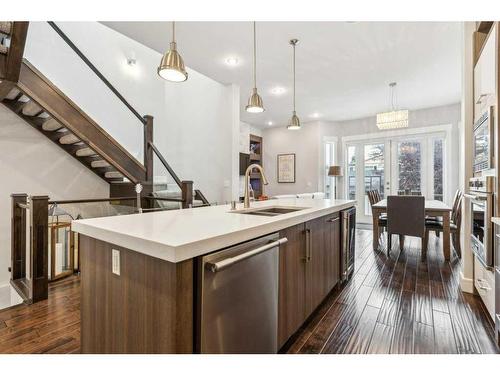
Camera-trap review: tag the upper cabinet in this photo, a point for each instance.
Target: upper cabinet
(485, 75)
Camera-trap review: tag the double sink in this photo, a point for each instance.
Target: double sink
(269, 211)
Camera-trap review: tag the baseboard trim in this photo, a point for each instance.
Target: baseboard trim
(466, 284)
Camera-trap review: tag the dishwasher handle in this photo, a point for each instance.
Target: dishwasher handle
(219, 266)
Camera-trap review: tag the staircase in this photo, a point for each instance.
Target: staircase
(35, 99)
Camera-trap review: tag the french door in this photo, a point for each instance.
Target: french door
(405, 165)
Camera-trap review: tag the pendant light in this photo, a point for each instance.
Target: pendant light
(294, 123)
(172, 66)
(392, 119)
(255, 104)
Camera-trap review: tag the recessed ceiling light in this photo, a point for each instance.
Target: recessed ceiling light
(315, 115)
(269, 123)
(278, 90)
(232, 61)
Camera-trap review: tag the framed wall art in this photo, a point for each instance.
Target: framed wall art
(286, 168)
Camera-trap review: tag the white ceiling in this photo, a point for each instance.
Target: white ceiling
(343, 69)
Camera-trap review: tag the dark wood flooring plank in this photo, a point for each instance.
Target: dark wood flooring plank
(402, 339)
(380, 342)
(361, 336)
(423, 338)
(342, 332)
(444, 337)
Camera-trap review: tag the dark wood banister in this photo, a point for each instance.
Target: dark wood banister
(95, 70)
(166, 165)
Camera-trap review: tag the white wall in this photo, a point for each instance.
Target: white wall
(306, 143)
(198, 137)
(30, 163)
(195, 122)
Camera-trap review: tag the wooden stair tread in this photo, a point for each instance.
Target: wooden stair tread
(13, 94)
(100, 164)
(51, 125)
(5, 27)
(85, 151)
(113, 174)
(31, 109)
(69, 139)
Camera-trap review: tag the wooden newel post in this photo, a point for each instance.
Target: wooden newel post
(187, 194)
(39, 219)
(18, 237)
(148, 150)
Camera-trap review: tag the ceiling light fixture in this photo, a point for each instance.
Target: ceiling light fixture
(172, 66)
(315, 115)
(278, 90)
(392, 119)
(269, 123)
(255, 104)
(294, 123)
(232, 61)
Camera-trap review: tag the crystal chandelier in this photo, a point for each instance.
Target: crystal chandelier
(392, 119)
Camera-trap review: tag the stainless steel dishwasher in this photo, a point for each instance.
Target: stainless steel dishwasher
(239, 298)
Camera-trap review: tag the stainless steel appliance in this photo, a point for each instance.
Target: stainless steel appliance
(239, 301)
(348, 243)
(483, 141)
(481, 205)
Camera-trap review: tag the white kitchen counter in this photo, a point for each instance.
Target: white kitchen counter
(178, 235)
(495, 220)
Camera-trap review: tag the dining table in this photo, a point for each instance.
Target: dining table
(433, 208)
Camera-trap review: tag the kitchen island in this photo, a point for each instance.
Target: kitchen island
(141, 273)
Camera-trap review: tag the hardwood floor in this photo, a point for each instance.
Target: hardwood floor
(50, 326)
(391, 305)
(399, 305)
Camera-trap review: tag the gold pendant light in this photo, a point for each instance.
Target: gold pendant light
(172, 66)
(294, 123)
(255, 104)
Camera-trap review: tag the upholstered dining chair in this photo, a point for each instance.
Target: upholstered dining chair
(436, 225)
(405, 217)
(374, 197)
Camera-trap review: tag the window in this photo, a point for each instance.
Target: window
(374, 171)
(329, 182)
(409, 170)
(438, 169)
(351, 172)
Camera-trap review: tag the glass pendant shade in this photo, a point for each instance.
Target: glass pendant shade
(172, 66)
(294, 123)
(255, 104)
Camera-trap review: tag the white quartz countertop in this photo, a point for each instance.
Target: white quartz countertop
(178, 235)
(495, 220)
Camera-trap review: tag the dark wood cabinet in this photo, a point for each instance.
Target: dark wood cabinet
(309, 269)
(292, 282)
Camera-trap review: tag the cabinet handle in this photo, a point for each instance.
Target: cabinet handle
(481, 282)
(308, 245)
(333, 219)
(479, 100)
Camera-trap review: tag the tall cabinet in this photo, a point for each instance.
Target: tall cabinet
(486, 87)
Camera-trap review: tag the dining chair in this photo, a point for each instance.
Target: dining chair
(405, 217)
(436, 225)
(374, 197)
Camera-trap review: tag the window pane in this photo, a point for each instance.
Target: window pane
(328, 162)
(409, 158)
(374, 171)
(351, 172)
(438, 169)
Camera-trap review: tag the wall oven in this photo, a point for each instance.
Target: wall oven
(483, 141)
(481, 205)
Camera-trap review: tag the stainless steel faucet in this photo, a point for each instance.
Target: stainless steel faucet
(246, 201)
